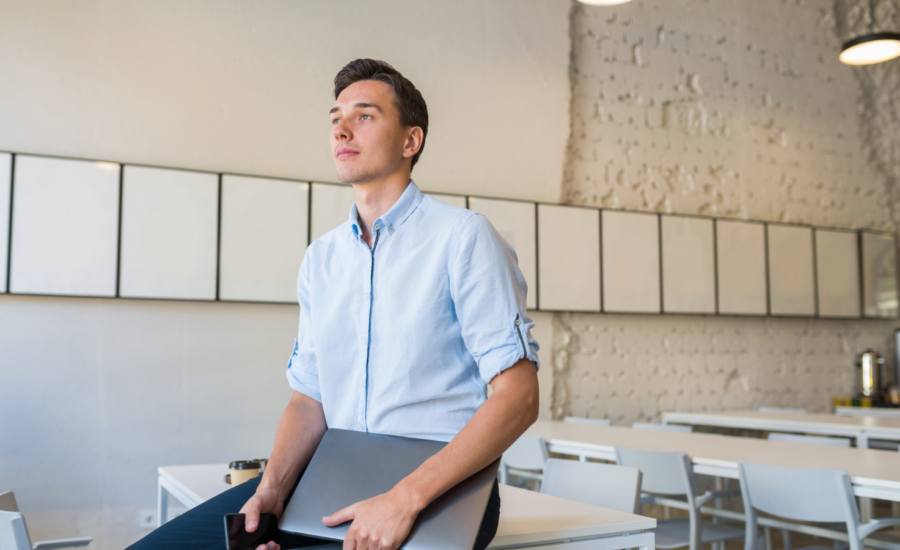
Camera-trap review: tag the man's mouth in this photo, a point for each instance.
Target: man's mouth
(343, 153)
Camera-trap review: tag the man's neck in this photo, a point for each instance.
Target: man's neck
(375, 198)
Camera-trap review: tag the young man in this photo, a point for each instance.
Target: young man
(406, 311)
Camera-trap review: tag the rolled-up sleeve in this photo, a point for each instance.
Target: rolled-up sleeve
(488, 292)
(302, 369)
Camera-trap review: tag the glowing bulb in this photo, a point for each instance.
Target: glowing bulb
(871, 48)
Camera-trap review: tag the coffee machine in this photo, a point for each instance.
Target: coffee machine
(871, 376)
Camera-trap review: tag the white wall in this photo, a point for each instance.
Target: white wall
(732, 109)
(95, 394)
(246, 86)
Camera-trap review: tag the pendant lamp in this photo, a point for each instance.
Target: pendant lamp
(604, 2)
(871, 48)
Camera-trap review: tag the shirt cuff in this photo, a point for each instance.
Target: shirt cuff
(499, 359)
(302, 384)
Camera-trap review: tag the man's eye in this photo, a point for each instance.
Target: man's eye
(334, 121)
(366, 117)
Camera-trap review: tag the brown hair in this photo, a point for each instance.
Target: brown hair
(408, 100)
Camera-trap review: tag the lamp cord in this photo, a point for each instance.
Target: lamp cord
(872, 16)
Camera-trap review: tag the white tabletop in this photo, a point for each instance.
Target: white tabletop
(865, 466)
(882, 412)
(750, 419)
(526, 517)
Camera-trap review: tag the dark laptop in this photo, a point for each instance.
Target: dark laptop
(351, 466)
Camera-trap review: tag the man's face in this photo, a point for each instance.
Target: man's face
(367, 138)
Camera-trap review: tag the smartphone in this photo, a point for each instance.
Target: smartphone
(237, 538)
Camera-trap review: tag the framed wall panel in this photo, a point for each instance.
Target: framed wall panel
(330, 207)
(792, 289)
(688, 264)
(65, 231)
(515, 221)
(264, 232)
(741, 267)
(630, 262)
(5, 190)
(879, 271)
(169, 234)
(837, 273)
(568, 258)
(452, 200)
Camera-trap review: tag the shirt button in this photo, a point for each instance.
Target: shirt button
(391, 228)
(360, 426)
(367, 297)
(517, 322)
(377, 227)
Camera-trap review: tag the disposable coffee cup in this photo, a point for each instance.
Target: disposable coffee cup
(243, 470)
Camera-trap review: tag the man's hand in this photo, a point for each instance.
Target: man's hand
(264, 501)
(379, 523)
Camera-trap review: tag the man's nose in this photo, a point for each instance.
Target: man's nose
(341, 130)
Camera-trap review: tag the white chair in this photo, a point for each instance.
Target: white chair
(661, 427)
(14, 532)
(525, 458)
(806, 440)
(606, 485)
(670, 474)
(591, 421)
(803, 495)
(781, 410)
(810, 439)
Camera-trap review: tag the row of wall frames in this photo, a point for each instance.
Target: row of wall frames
(74, 227)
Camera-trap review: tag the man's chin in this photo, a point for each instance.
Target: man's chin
(352, 176)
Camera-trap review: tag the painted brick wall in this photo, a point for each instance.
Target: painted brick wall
(730, 109)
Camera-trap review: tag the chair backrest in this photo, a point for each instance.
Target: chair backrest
(529, 452)
(661, 427)
(798, 494)
(661, 473)
(8, 502)
(781, 410)
(606, 485)
(13, 531)
(582, 420)
(810, 439)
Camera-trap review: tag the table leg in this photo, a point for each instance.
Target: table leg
(866, 505)
(162, 505)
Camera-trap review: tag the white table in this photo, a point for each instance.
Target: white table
(527, 519)
(881, 412)
(874, 474)
(861, 429)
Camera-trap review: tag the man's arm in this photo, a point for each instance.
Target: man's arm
(383, 522)
(299, 432)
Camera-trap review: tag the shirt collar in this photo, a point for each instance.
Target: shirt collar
(393, 218)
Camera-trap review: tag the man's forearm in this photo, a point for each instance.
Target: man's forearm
(299, 432)
(510, 410)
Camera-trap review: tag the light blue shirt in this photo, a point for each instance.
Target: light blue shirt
(401, 338)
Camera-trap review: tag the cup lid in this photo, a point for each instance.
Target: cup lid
(244, 465)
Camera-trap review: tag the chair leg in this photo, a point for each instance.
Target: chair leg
(786, 538)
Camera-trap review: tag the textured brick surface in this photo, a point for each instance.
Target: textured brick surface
(630, 367)
(737, 110)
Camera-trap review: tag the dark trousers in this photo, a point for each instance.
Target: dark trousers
(204, 527)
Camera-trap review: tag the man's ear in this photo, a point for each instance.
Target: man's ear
(414, 138)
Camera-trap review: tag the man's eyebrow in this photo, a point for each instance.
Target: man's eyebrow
(359, 106)
(369, 105)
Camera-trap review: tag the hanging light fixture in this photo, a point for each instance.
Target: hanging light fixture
(871, 48)
(604, 2)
